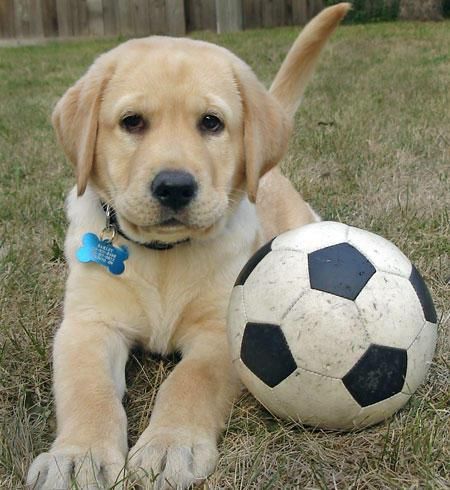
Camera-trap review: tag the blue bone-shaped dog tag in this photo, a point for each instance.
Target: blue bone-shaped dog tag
(102, 252)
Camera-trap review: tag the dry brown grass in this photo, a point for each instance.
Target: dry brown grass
(381, 162)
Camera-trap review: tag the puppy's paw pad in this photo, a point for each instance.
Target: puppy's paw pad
(65, 467)
(168, 461)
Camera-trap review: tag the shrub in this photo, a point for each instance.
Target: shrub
(371, 10)
(446, 8)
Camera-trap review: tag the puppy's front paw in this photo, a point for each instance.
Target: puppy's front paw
(172, 459)
(74, 467)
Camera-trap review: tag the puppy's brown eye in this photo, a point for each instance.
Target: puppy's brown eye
(211, 123)
(134, 123)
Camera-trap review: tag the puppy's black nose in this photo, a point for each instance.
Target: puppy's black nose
(174, 189)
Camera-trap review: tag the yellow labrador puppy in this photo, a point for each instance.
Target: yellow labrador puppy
(170, 139)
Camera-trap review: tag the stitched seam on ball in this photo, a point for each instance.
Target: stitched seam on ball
(377, 269)
(282, 405)
(417, 336)
(316, 373)
(409, 394)
(243, 304)
(246, 320)
(283, 317)
(396, 274)
(298, 250)
(363, 321)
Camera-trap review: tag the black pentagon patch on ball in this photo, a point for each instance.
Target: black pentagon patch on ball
(341, 270)
(378, 375)
(424, 295)
(254, 260)
(266, 353)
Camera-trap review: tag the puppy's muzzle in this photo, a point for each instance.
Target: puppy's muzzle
(174, 189)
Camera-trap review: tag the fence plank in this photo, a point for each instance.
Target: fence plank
(197, 15)
(267, 13)
(125, 18)
(20, 18)
(78, 17)
(201, 15)
(95, 17)
(189, 15)
(28, 22)
(252, 12)
(65, 18)
(288, 13)
(229, 15)
(175, 17)
(49, 18)
(278, 12)
(111, 25)
(28, 18)
(209, 15)
(206, 14)
(315, 6)
(7, 27)
(157, 17)
(36, 19)
(63, 9)
(141, 18)
(299, 12)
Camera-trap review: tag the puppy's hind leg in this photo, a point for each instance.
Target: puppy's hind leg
(280, 206)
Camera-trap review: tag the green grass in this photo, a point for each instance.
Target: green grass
(371, 148)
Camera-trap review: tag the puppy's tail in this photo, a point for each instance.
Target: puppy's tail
(297, 68)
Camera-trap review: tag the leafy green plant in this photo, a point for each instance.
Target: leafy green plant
(446, 8)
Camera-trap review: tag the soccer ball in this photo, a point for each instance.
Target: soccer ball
(331, 326)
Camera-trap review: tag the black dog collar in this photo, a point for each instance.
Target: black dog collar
(156, 245)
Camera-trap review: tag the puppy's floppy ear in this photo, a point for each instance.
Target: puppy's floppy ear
(75, 118)
(266, 128)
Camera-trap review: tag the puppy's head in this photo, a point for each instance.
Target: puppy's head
(172, 133)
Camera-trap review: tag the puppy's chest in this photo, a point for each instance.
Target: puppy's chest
(162, 309)
(164, 289)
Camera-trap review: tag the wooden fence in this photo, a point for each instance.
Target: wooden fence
(79, 18)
